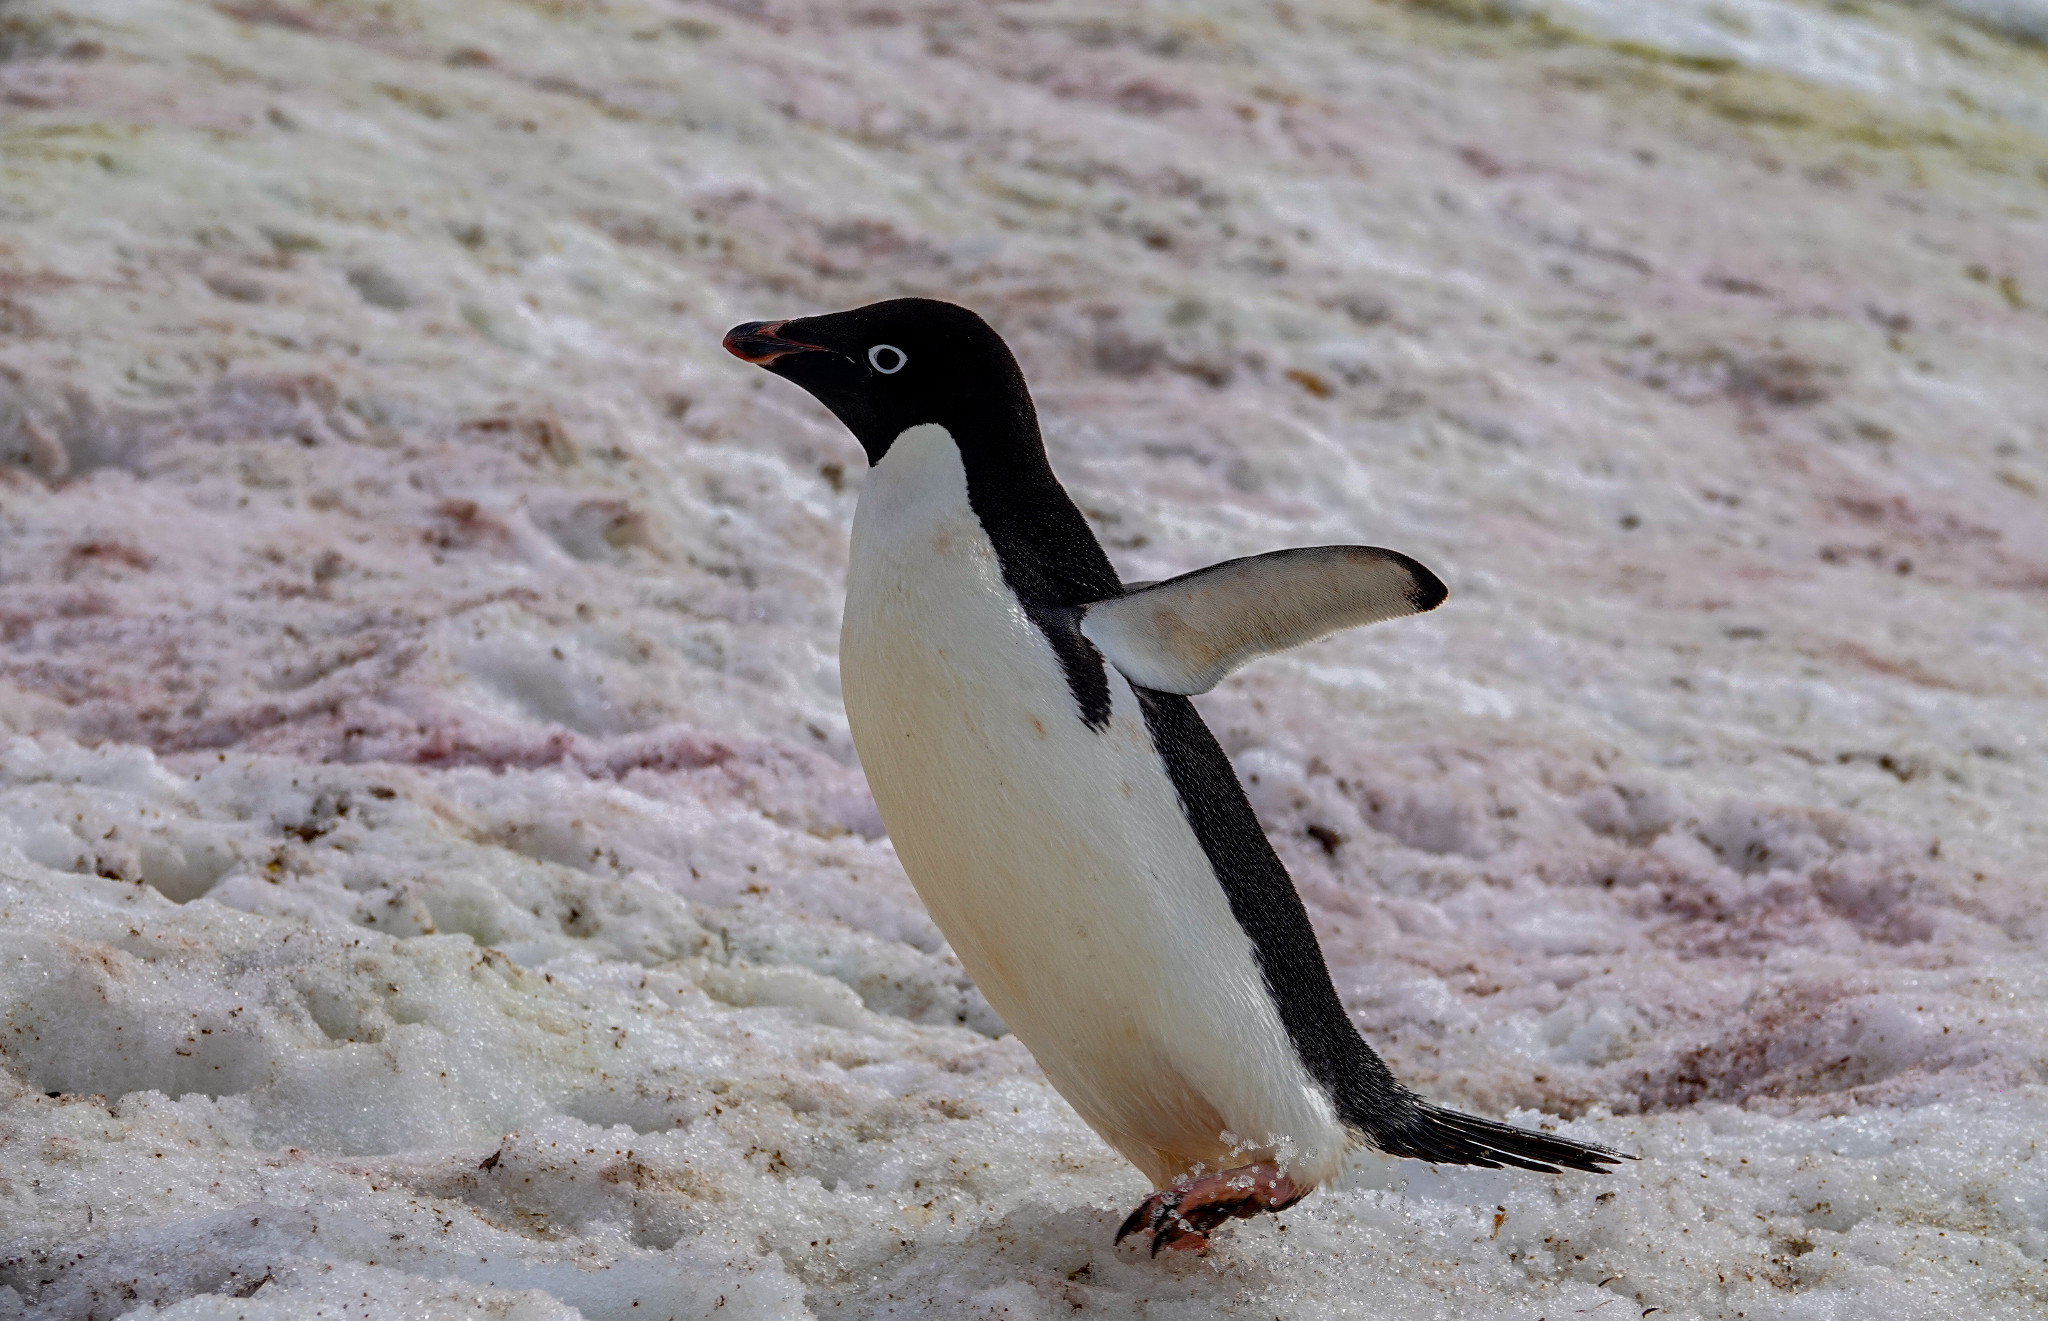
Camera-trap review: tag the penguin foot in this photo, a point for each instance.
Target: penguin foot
(1181, 1217)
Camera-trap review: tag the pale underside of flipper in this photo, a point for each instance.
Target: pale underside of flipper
(1185, 634)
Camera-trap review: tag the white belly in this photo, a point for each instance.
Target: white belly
(1054, 856)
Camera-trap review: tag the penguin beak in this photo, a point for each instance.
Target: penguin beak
(761, 342)
(830, 376)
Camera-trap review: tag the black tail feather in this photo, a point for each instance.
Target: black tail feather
(1446, 1137)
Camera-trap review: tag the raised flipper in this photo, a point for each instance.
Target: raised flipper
(1184, 634)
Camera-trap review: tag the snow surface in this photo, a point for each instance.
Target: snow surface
(435, 879)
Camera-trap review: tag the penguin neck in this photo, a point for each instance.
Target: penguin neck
(1048, 553)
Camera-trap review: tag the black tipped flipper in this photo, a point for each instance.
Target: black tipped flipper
(1183, 635)
(1446, 1137)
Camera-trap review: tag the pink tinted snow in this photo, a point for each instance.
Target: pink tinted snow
(363, 422)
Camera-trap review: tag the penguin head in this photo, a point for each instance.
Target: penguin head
(887, 367)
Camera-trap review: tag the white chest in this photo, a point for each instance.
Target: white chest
(1054, 856)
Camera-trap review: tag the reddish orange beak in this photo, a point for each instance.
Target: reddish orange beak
(761, 343)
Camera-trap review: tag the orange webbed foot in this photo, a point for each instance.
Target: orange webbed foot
(1181, 1217)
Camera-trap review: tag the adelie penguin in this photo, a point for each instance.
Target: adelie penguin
(1073, 826)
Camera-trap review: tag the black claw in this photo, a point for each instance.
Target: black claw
(1169, 1226)
(1161, 1219)
(1134, 1220)
(1155, 1215)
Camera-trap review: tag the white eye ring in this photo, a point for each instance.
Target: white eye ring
(875, 359)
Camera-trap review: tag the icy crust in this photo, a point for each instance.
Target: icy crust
(537, 865)
(707, 1115)
(1621, 943)
(360, 1115)
(435, 878)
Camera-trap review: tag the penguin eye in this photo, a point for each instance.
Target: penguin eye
(887, 359)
